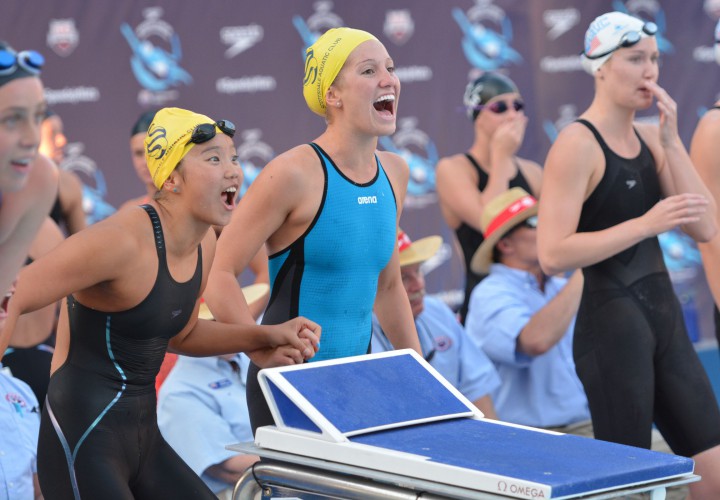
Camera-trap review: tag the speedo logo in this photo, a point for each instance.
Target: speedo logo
(365, 200)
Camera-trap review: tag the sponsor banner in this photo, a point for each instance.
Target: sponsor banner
(107, 62)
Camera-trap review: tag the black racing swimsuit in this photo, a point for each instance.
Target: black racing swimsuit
(470, 239)
(631, 347)
(98, 435)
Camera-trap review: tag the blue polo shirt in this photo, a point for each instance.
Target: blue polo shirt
(541, 391)
(19, 429)
(201, 409)
(449, 351)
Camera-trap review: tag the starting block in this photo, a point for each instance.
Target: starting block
(389, 420)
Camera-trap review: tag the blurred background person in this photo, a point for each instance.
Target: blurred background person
(19, 427)
(67, 210)
(524, 321)
(138, 132)
(28, 183)
(467, 181)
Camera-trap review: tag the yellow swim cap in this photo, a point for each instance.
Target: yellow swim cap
(323, 61)
(167, 141)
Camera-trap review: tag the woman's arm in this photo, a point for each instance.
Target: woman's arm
(265, 207)
(574, 167)
(392, 306)
(100, 254)
(705, 155)
(259, 266)
(675, 168)
(210, 338)
(457, 182)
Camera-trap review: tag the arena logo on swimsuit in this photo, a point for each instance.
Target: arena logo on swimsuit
(365, 200)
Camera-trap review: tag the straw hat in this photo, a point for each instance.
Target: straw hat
(252, 293)
(412, 252)
(500, 215)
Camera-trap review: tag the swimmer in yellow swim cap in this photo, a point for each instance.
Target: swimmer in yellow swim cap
(327, 212)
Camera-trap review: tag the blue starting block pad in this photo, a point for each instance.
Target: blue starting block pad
(393, 413)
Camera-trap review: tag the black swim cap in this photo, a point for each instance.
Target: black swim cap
(14, 65)
(143, 122)
(484, 88)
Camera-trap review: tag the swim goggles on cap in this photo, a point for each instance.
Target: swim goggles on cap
(206, 131)
(29, 60)
(628, 39)
(500, 107)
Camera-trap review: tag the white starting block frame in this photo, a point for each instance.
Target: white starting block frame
(391, 418)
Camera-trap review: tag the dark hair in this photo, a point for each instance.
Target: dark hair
(142, 124)
(484, 88)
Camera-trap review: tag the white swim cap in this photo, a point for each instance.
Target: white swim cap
(609, 32)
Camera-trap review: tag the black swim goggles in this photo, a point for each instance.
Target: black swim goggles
(29, 60)
(500, 107)
(206, 131)
(628, 40)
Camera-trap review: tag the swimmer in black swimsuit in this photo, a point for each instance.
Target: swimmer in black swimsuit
(611, 185)
(133, 284)
(466, 182)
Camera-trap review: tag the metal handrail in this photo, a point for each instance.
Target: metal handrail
(306, 479)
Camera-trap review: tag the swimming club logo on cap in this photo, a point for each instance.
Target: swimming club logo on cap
(323, 61)
(413, 252)
(484, 88)
(605, 35)
(500, 215)
(156, 146)
(168, 140)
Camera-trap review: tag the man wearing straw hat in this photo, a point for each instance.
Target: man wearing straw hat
(524, 321)
(444, 343)
(202, 408)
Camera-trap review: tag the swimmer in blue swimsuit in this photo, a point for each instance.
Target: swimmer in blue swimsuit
(327, 213)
